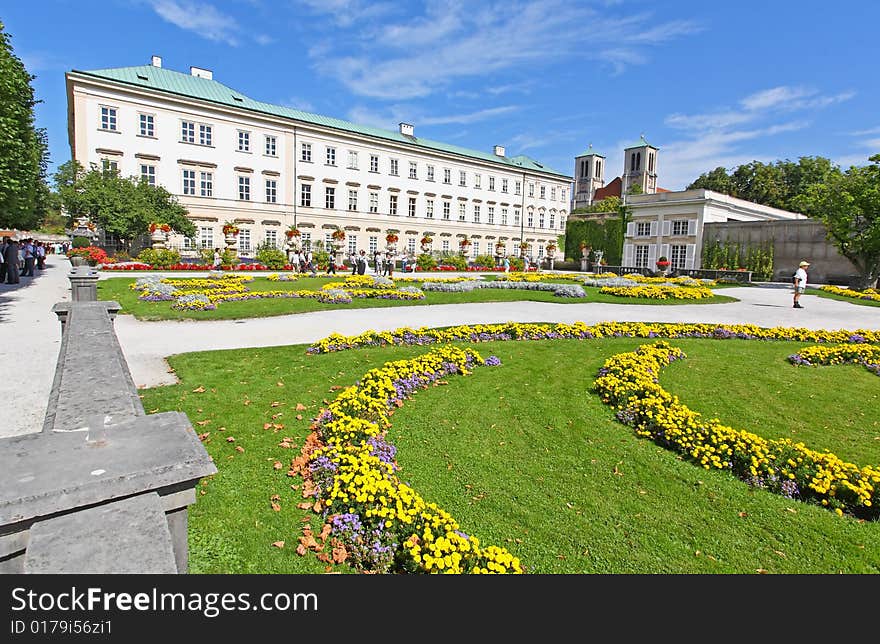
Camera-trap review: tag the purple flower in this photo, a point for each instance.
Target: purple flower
(493, 361)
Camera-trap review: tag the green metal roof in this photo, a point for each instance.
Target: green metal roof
(641, 143)
(167, 80)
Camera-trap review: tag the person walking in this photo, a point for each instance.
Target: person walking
(361, 263)
(217, 259)
(29, 257)
(331, 265)
(800, 283)
(41, 255)
(506, 264)
(353, 258)
(389, 265)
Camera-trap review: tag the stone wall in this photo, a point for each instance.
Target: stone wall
(793, 241)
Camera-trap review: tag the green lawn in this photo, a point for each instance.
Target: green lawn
(118, 289)
(842, 298)
(525, 456)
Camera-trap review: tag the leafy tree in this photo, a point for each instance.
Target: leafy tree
(23, 148)
(848, 204)
(717, 180)
(124, 207)
(771, 184)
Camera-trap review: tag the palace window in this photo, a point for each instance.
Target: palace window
(108, 118)
(146, 125)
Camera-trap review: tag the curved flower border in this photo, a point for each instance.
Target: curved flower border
(370, 519)
(583, 331)
(628, 382)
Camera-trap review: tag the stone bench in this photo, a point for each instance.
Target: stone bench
(102, 477)
(123, 537)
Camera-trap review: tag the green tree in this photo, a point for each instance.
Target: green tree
(124, 207)
(717, 180)
(23, 148)
(848, 204)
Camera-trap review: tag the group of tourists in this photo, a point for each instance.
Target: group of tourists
(19, 258)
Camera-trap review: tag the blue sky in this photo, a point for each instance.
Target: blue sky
(708, 83)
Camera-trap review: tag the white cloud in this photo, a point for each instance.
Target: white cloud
(868, 132)
(263, 39)
(200, 18)
(455, 40)
(685, 160)
(346, 13)
(791, 98)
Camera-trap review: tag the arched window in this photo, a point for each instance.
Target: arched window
(632, 162)
(598, 168)
(650, 163)
(638, 161)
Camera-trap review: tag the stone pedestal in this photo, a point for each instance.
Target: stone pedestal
(158, 239)
(83, 284)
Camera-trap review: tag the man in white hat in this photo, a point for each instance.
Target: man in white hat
(800, 283)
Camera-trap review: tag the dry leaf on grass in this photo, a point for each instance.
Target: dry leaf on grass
(239, 448)
(300, 407)
(278, 544)
(230, 439)
(202, 423)
(199, 390)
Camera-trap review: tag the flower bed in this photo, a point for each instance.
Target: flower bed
(371, 520)
(659, 292)
(581, 331)
(867, 294)
(867, 355)
(559, 290)
(628, 381)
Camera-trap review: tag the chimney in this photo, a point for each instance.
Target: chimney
(499, 150)
(156, 61)
(198, 72)
(407, 129)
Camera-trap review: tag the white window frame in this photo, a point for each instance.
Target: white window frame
(147, 125)
(206, 134)
(148, 173)
(392, 204)
(394, 167)
(352, 199)
(305, 195)
(189, 182)
(430, 172)
(271, 191)
(330, 155)
(244, 140)
(188, 132)
(206, 184)
(429, 209)
(462, 178)
(271, 145)
(374, 202)
(329, 197)
(374, 163)
(109, 118)
(244, 188)
(305, 152)
(413, 170)
(411, 207)
(352, 160)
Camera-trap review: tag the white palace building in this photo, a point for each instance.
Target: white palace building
(228, 157)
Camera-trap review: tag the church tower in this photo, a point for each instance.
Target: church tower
(589, 175)
(640, 166)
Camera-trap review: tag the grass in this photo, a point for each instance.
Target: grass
(526, 457)
(118, 289)
(841, 298)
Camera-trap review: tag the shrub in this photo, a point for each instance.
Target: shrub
(159, 257)
(426, 262)
(484, 260)
(271, 257)
(456, 261)
(207, 255)
(227, 257)
(516, 264)
(121, 256)
(80, 242)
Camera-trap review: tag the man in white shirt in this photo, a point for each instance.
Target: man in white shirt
(800, 283)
